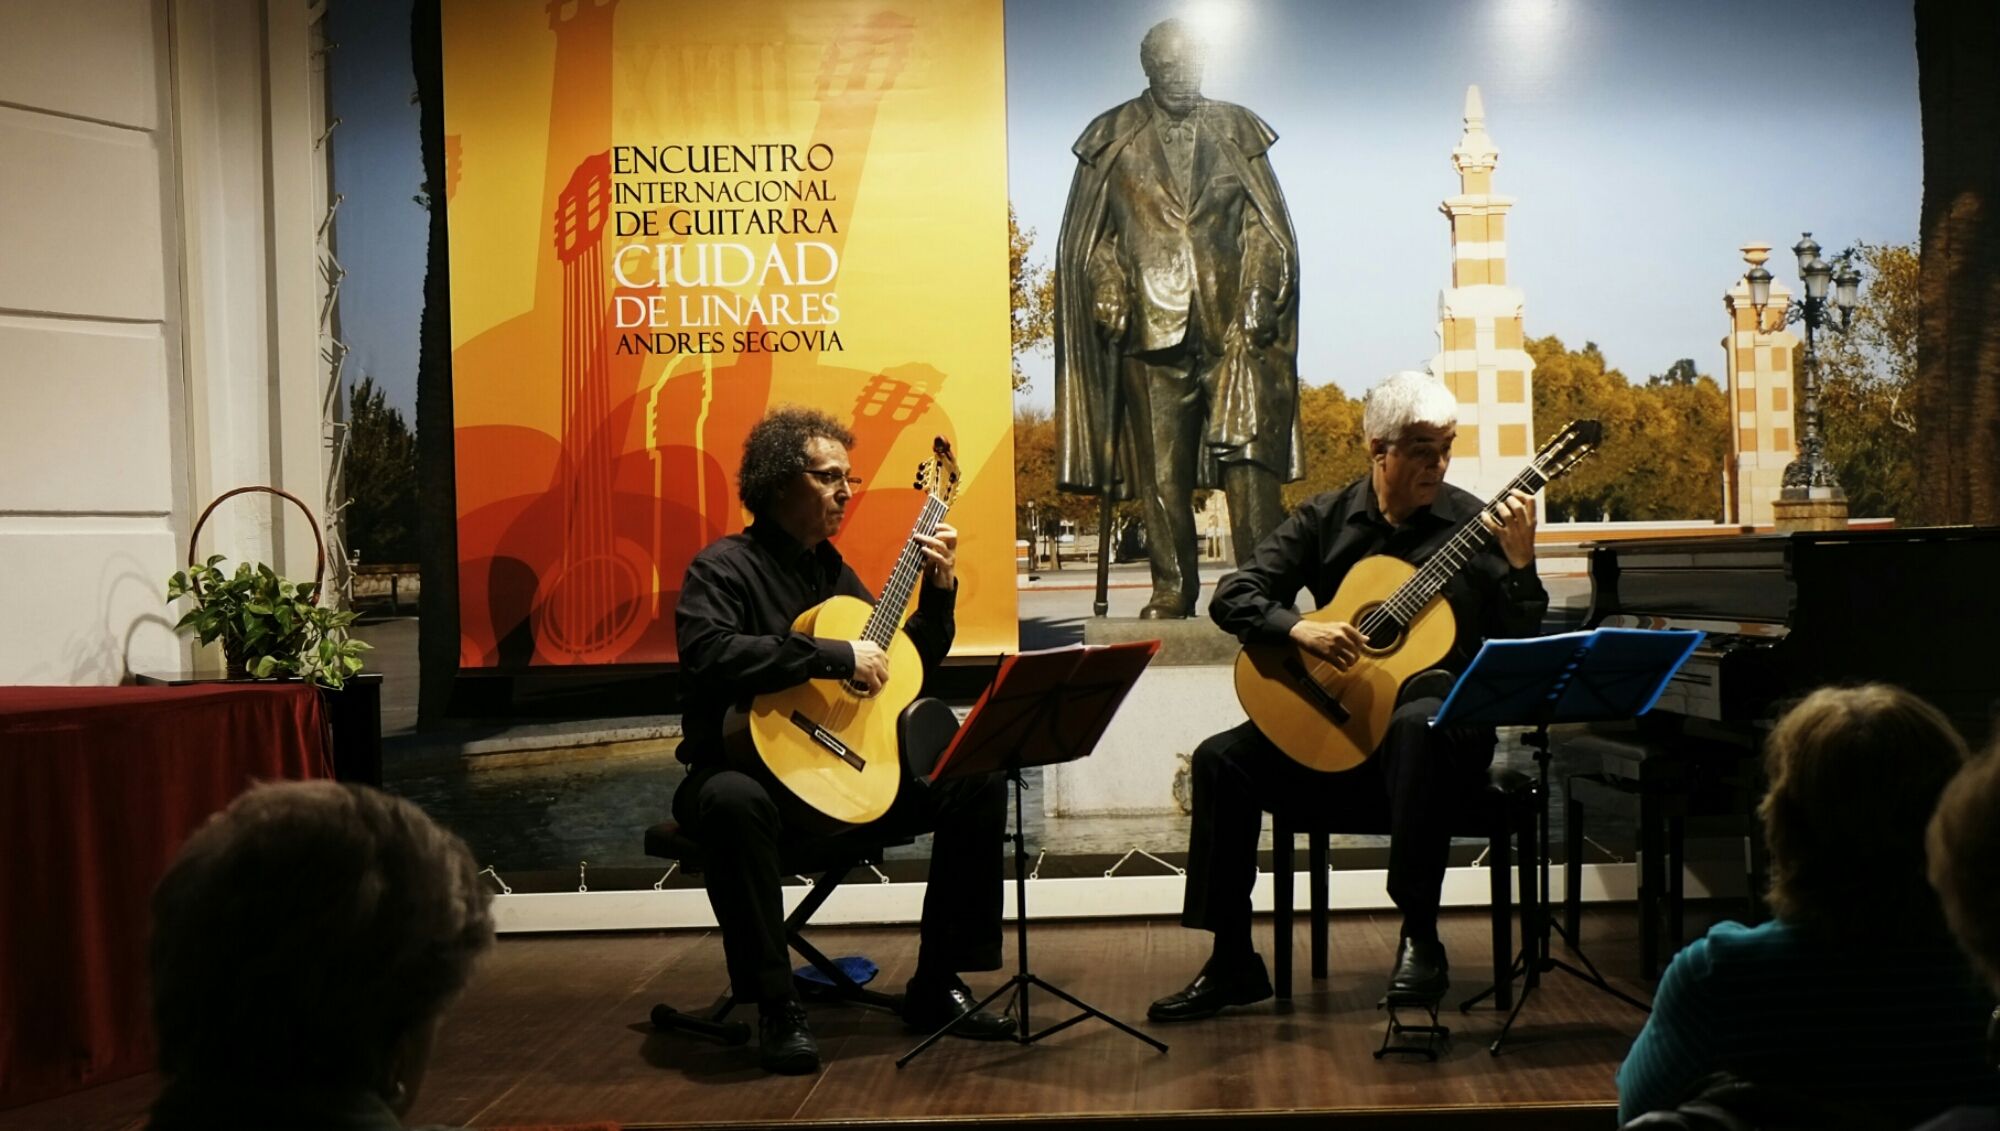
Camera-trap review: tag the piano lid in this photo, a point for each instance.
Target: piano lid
(1721, 582)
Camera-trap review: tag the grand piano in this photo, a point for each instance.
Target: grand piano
(1784, 614)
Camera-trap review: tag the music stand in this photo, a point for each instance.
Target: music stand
(1607, 675)
(1042, 709)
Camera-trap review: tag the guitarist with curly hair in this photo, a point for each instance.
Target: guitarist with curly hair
(735, 626)
(1402, 508)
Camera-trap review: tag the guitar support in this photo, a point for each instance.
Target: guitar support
(1434, 1035)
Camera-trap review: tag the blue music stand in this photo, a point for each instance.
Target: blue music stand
(1606, 675)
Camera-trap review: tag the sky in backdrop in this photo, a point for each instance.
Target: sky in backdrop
(1643, 140)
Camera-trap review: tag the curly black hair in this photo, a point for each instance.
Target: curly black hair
(775, 451)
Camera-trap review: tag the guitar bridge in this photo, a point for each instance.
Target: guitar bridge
(826, 739)
(1315, 694)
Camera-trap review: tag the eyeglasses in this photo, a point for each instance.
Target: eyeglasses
(833, 477)
(1424, 451)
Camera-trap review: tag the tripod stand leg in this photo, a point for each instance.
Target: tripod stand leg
(1088, 1011)
(1022, 979)
(1521, 966)
(1012, 983)
(1494, 1048)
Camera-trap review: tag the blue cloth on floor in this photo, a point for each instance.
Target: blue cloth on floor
(860, 969)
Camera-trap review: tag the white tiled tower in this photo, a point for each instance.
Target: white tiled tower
(1480, 357)
(1759, 362)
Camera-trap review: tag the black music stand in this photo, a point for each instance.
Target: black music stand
(1042, 708)
(1607, 675)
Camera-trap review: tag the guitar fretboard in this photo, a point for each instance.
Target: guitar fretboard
(888, 614)
(1410, 598)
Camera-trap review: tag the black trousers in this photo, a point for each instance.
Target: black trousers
(1419, 772)
(741, 833)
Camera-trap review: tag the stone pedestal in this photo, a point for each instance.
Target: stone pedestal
(1790, 515)
(1185, 695)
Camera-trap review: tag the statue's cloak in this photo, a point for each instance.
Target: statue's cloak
(1251, 390)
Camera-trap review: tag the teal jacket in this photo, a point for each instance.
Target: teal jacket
(1894, 1028)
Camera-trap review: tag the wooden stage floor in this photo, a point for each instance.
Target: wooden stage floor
(554, 1029)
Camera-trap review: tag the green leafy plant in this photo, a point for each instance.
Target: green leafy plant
(269, 627)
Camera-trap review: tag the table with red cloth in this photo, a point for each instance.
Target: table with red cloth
(99, 788)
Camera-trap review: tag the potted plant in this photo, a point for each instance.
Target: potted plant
(270, 627)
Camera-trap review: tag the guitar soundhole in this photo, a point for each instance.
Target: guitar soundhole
(1386, 636)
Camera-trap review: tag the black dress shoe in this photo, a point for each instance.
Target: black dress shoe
(784, 1044)
(1244, 982)
(1421, 970)
(928, 1008)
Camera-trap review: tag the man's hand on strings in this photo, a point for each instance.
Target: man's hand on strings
(871, 665)
(1337, 642)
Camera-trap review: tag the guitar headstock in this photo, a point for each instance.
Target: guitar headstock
(1574, 443)
(938, 475)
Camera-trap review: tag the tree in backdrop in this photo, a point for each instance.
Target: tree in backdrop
(1865, 395)
(1031, 297)
(1956, 386)
(1335, 455)
(1039, 507)
(381, 473)
(1666, 442)
(1681, 373)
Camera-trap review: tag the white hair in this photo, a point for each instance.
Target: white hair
(1403, 399)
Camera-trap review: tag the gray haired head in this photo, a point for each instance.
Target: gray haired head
(1404, 399)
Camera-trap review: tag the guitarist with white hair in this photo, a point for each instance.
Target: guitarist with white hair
(734, 626)
(1402, 508)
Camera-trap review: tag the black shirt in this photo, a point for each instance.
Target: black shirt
(733, 624)
(1315, 547)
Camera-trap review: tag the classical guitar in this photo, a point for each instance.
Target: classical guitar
(827, 748)
(1328, 719)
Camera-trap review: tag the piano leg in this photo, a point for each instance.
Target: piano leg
(1676, 883)
(1652, 873)
(1572, 863)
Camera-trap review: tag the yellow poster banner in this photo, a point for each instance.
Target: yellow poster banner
(668, 216)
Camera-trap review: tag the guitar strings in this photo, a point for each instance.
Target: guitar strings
(1427, 580)
(1413, 595)
(884, 621)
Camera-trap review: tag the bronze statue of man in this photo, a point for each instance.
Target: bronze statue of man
(1177, 327)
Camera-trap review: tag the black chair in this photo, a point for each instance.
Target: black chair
(832, 861)
(1503, 809)
(923, 732)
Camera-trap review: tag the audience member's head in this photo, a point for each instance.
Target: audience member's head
(307, 940)
(1855, 774)
(1964, 845)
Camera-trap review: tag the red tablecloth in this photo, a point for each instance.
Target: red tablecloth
(99, 787)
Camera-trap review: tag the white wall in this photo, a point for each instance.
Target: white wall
(156, 315)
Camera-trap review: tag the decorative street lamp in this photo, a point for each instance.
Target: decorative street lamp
(1810, 476)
